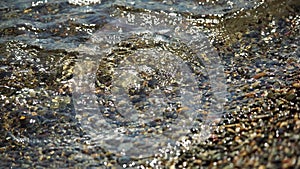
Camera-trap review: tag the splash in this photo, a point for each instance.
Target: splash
(138, 85)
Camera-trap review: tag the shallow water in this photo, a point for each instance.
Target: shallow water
(130, 77)
(152, 66)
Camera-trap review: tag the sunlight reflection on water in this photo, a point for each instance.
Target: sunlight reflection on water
(149, 65)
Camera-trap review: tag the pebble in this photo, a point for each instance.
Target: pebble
(260, 129)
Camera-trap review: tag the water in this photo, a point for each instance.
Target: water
(144, 75)
(180, 6)
(151, 68)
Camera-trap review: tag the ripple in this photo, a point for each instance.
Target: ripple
(192, 7)
(156, 76)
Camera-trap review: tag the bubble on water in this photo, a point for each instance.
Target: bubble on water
(150, 71)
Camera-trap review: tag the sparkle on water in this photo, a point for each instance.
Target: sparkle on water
(149, 68)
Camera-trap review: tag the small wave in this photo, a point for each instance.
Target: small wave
(149, 69)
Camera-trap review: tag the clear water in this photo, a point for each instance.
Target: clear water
(168, 80)
(149, 93)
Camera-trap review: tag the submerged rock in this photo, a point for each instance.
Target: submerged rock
(132, 52)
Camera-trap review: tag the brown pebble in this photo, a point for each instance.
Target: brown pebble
(179, 110)
(259, 75)
(230, 130)
(34, 113)
(250, 95)
(296, 85)
(198, 162)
